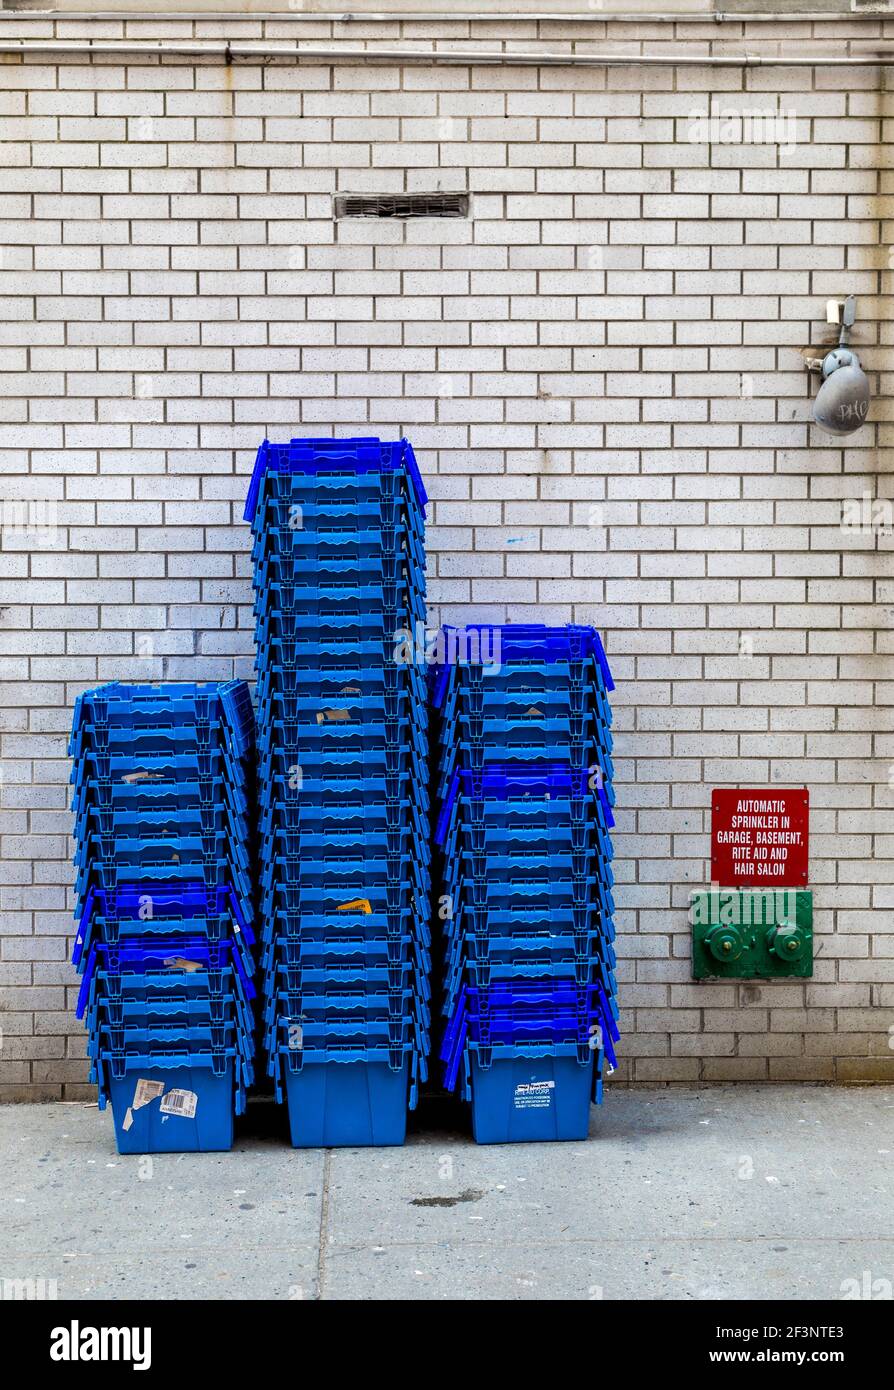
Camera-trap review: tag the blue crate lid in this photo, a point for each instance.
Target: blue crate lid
(527, 642)
(139, 957)
(507, 997)
(357, 455)
(203, 698)
(180, 899)
(119, 931)
(503, 781)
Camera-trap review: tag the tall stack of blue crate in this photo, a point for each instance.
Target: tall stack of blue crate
(339, 563)
(163, 783)
(524, 813)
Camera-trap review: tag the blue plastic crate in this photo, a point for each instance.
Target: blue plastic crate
(302, 1032)
(339, 679)
(462, 708)
(492, 685)
(352, 796)
(162, 816)
(518, 946)
(376, 878)
(340, 1000)
(535, 1011)
(341, 489)
(533, 956)
(569, 892)
(561, 924)
(464, 944)
(526, 1094)
(278, 618)
(404, 761)
(280, 614)
(276, 560)
(403, 920)
(530, 643)
(362, 846)
(195, 848)
(178, 702)
(214, 765)
(375, 734)
(294, 791)
(348, 1097)
(323, 590)
(302, 509)
(158, 989)
(171, 1009)
(485, 973)
(371, 654)
(154, 740)
(184, 960)
(117, 931)
(523, 726)
(374, 816)
(524, 689)
(531, 851)
(527, 946)
(521, 866)
(166, 900)
(364, 546)
(356, 455)
(143, 1037)
(157, 794)
(200, 1123)
(381, 1007)
(517, 904)
(213, 874)
(340, 976)
(399, 702)
(327, 902)
(374, 952)
(334, 625)
(337, 467)
(113, 930)
(529, 918)
(540, 832)
(478, 755)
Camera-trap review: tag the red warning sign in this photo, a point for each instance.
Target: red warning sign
(760, 838)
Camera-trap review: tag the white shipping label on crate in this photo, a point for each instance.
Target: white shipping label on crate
(145, 1092)
(184, 1103)
(534, 1095)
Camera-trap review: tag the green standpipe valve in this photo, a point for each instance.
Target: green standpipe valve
(725, 943)
(786, 941)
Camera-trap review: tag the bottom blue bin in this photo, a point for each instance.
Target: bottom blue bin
(173, 1110)
(336, 1104)
(522, 1099)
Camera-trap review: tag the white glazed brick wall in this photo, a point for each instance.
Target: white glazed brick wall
(600, 374)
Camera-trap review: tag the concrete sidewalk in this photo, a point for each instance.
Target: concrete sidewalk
(729, 1192)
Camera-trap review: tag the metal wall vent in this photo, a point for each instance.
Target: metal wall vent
(402, 205)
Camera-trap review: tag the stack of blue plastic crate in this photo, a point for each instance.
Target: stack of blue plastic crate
(163, 798)
(342, 729)
(524, 800)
